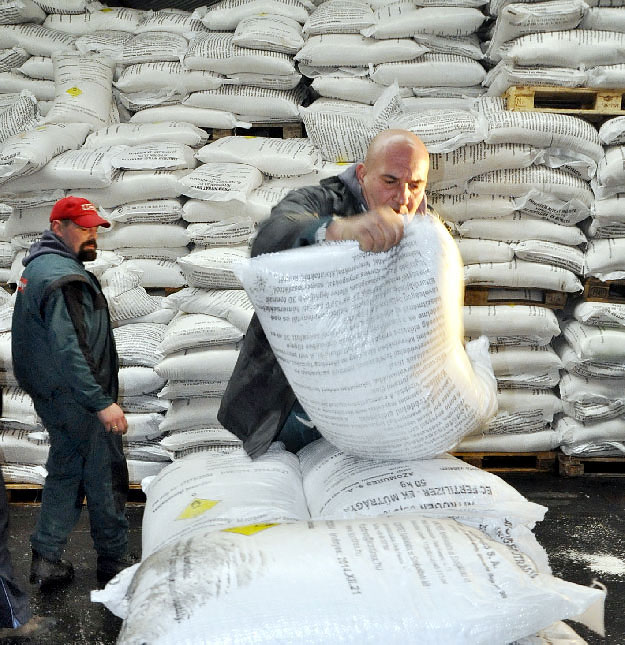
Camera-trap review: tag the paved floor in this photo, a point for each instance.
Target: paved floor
(583, 532)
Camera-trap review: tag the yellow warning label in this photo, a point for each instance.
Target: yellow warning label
(250, 529)
(106, 9)
(196, 508)
(74, 91)
(249, 136)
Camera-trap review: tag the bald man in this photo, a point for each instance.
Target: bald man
(367, 203)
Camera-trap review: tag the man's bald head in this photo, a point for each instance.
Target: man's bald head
(395, 171)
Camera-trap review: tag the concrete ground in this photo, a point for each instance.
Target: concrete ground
(583, 533)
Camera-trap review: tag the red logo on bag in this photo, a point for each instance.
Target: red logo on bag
(22, 284)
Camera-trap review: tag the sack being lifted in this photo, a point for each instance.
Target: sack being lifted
(372, 343)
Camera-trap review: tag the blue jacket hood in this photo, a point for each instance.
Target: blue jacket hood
(49, 243)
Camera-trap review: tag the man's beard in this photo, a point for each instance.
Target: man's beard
(87, 253)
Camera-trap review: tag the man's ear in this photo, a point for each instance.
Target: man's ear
(361, 171)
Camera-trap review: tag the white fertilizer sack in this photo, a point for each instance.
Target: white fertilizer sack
(144, 77)
(212, 364)
(213, 492)
(256, 102)
(132, 185)
(338, 17)
(222, 181)
(358, 89)
(135, 134)
(25, 153)
(12, 58)
(603, 314)
(448, 70)
(558, 255)
(226, 14)
(588, 367)
(519, 273)
(354, 50)
(339, 486)
(605, 259)
(14, 83)
(216, 52)
(138, 344)
(38, 67)
(74, 169)
(187, 414)
(94, 19)
(155, 156)
(158, 273)
(164, 211)
(442, 130)
(511, 324)
(478, 251)
(19, 116)
(574, 432)
(188, 331)
(200, 117)
(400, 321)
(135, 380)
(171, 21)
(37, 40)
(612, 131)
(403, 20)
(591, 400)
(542, 440)
(360, 577)
(545, 130)
(518, 228)
(275, 157)
(595, 343)
(83, 91)
(269, 32)
(571, 48)
(19, 11)
(232, 305)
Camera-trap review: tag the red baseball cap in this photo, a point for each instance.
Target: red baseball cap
(78, 209)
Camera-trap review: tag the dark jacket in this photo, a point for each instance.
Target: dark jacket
(62, 344)
(259, 398)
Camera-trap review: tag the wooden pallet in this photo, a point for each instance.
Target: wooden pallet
(476, 295)
(31, 493)
(579, 101)
(596, 290)
(269, 129)
(570, 466)
(511, 462)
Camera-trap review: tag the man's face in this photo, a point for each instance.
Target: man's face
(81, 240)
(396, 177)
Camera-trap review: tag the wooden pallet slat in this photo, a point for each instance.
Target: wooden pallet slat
(596, 290)
(287, 130)
(573, 466)
(511, 462)
(477, 295)
(31, 493)
(580, 101)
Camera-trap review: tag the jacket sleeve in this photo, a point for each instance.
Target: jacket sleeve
(67, 314)
(294, 220)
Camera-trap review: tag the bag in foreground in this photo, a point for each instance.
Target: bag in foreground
(388, 580)
(372, 343)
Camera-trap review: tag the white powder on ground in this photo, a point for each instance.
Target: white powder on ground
(600, 563)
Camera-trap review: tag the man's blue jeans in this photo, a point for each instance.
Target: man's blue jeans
(298, 430)
(84, 460)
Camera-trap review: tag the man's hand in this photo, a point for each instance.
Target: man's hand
(377, 230)
(113, 419)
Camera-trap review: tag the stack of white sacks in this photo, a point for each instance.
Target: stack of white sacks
(213, 520)
(516, 220)
(567, 43)
(592, 345)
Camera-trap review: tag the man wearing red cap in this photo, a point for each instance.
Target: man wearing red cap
(64, 356)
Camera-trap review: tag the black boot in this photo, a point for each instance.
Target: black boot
(108, 568)
(50, 573)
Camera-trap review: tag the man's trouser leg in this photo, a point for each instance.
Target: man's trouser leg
(61, 499)
(106, 487)
(14, 605)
